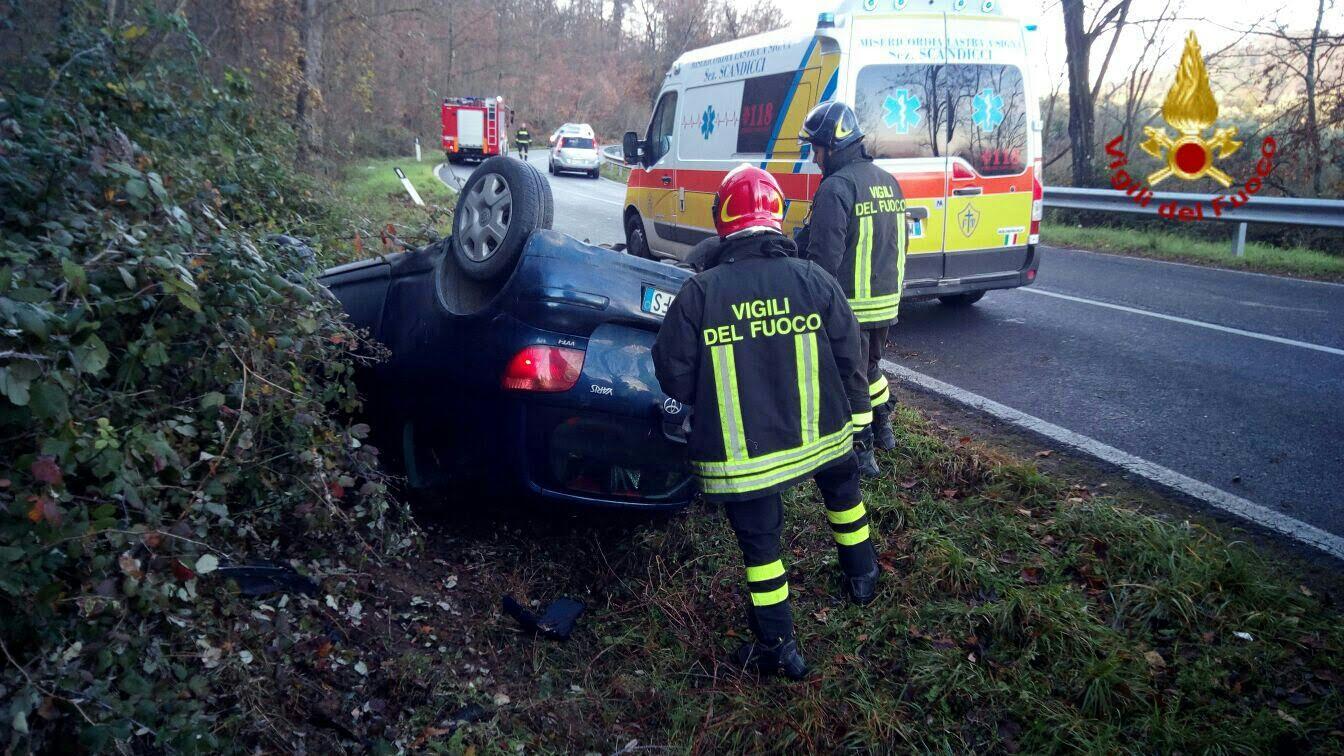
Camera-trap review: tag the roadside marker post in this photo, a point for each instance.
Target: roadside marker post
(415, 196)
(417, 149)
(1239, 244)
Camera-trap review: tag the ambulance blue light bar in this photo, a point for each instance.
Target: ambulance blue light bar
(826, 21)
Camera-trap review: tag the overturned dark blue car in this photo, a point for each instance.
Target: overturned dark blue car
(520, 357)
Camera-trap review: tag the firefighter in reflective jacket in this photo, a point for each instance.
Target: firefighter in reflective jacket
(857, 233)
(523, 138)
(766, 348)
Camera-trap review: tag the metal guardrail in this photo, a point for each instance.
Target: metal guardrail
(1290, 210)
(613, 153)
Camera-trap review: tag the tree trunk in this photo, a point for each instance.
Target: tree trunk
(1081, 114)
(618, 18)
(1313, 128)
(311, 28)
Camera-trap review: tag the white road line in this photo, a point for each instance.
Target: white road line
(1117, 255)
(1232, 504)
(1186, 321)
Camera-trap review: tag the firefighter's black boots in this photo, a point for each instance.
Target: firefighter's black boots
(775, 651)
(863, 450)
(884, 437)
(782, 658)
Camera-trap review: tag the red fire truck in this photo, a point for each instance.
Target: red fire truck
(475, 128)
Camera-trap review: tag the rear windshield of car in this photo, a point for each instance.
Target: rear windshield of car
(973, 111)
(578, 143)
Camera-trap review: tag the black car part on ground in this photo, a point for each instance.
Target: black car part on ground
(556, 622)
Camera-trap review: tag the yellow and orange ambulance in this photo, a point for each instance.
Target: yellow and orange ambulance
(944, 92)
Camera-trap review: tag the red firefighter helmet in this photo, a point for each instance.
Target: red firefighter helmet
(748, 199)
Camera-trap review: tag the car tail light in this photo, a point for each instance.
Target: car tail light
(1037, 202)
(543, 368)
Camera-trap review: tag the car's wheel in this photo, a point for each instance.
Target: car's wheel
(551, 167)
(636, 243)
(548, 216)
(500, 206)
(962, 300)
(594, 173)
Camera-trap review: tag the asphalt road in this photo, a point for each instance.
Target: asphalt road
(1261, 419)
(1233, 379)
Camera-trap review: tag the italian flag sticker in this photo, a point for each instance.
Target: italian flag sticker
(1012, 236)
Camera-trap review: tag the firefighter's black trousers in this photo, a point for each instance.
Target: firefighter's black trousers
(757, 523)
(873, 341)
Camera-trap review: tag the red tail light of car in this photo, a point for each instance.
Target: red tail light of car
(543, 368)
(1037, 202)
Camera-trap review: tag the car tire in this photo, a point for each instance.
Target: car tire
(597, 173)
(548, 214)
(499, 207)
(962, 300)
(636, 243)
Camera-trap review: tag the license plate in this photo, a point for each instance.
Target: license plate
(656, 301)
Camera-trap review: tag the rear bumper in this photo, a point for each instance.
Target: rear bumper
(588, 459)
(471, 152)
(965, 272)
(576, 165)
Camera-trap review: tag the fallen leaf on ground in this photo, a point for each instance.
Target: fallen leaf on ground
(1045, 452)
(1154, 659)
(45, 470)
(1033, 575)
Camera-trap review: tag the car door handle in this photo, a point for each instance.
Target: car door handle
(667, 179)
(968, 191)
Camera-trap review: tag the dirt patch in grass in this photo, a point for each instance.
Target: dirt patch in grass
(1019, 612)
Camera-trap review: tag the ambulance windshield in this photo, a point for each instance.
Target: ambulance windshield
(973, 111)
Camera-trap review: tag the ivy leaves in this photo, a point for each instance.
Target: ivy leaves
(172, 392)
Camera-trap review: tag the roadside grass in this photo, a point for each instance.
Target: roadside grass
(1168, 245)
(371, 196)
(1016, 613)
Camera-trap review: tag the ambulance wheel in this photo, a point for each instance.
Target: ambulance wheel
(500, 206)
(636, 243)
(962, 300)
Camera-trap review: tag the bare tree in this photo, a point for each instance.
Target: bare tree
(1079, 37)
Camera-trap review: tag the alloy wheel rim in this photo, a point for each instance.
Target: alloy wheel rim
(486, 212)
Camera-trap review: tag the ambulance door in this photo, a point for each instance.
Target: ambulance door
(990, 189)
(898, 66)
(707, 138)
(658, 201)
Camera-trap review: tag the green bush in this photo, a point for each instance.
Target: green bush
(173, 395)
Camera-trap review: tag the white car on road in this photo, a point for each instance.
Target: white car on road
(576, 153)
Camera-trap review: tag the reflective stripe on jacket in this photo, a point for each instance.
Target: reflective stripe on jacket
(522, 137)
(767, 350)
(857, 233)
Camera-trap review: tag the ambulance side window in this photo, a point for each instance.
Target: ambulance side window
(762, 102)
(899, 111)
(660, 127)
(990, 127)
